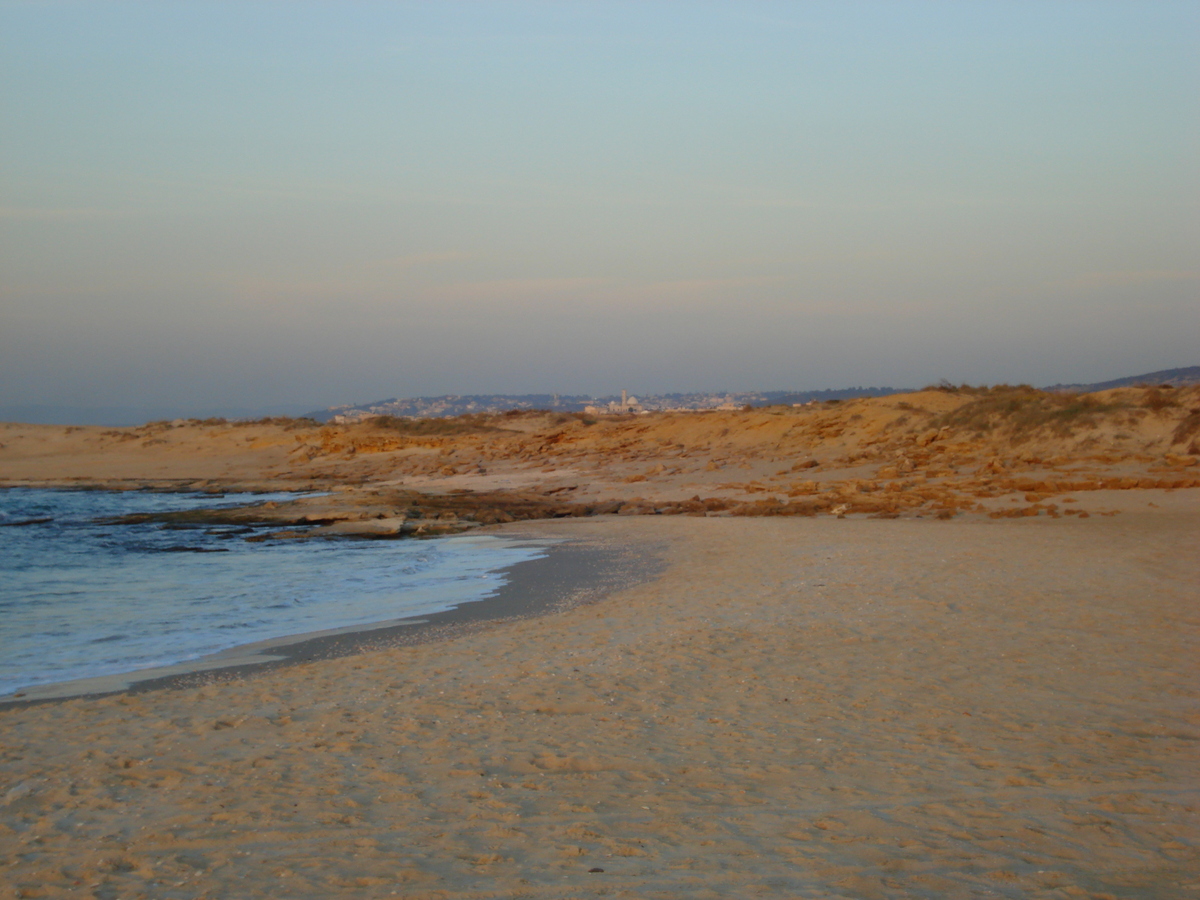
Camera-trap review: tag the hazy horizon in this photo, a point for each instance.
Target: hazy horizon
(50, 414)
(273, 207)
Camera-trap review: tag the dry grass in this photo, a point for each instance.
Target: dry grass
(1189, 427)
(468, 424)
(287, 423)
(1020, 412)
(1157, 399)
(159, 424)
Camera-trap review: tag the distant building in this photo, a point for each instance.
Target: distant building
(627, 405)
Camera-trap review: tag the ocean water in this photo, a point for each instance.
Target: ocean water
(81, 598)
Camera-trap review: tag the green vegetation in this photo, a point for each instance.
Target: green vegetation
(947, 388)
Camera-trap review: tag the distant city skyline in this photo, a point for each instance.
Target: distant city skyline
(265, 206)
(461, 404)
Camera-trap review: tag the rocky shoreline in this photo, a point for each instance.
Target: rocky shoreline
(407, 513)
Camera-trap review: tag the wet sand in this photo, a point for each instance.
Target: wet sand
(794, 708)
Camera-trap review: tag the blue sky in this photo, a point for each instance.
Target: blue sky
(240, 204)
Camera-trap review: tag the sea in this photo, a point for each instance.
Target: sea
(82, 596)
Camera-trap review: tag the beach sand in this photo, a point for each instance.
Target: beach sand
(794, 707)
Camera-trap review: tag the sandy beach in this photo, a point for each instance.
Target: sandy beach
(540, 450)
(794, 708)
(940, 645)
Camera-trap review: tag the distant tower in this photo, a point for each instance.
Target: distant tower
(624, 398)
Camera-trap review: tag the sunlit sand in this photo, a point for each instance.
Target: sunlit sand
(844, 702)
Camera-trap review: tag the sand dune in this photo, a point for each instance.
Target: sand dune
(933, 452)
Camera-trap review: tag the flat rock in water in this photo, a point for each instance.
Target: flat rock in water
(368, 527)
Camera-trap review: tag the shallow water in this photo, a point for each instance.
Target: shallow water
(81, 598)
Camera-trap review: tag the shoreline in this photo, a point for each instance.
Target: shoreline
(791, 707)
(573, 572)
(994, 694)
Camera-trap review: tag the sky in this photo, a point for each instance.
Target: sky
(290, 205)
